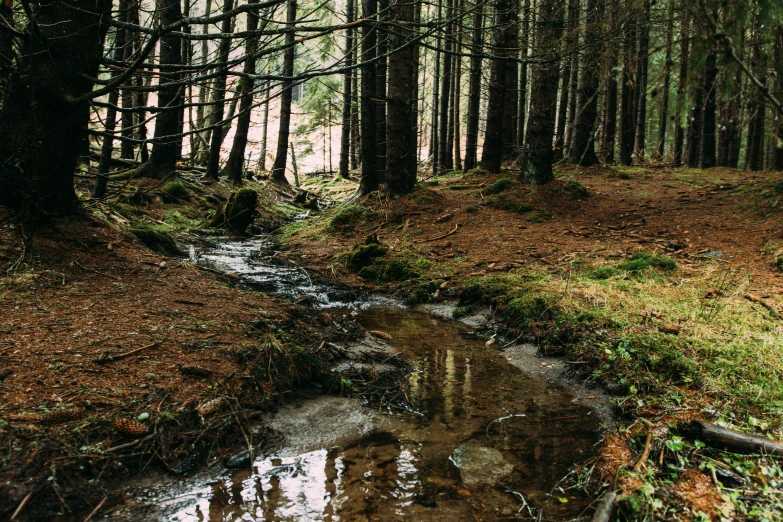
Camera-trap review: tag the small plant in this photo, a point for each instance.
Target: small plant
(175, 189)
(498, 186)
(576, 189)
(471, 209)
(603, 273)
(539, 216)
(345, 219)
(641, 261)
(778, 187)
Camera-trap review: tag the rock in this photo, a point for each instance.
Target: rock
(480, 465)
(240, 460)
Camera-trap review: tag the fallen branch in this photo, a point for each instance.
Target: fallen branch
(603, 513)
(454, 231)
(729, 439)
(766, 304)
(645, 452)
(99, 506)
(111, 358)
(24, 502)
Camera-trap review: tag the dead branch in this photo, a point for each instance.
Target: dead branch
(453, 231)
(111, 358)
(729, 439)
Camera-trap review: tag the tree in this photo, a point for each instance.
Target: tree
(663, 121)
(609, 106)
(45, 107)
(474, 88)
(640, 94)
(627, 98)
(213, 163)
(537, 156)
(281, 157)
(682, 89)
(582, 146)
(369, 181)
(345, 133)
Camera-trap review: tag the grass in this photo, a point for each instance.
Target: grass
(498, 186)
(345, 218)
(642, 261)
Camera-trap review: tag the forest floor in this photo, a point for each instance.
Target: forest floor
(662, 285)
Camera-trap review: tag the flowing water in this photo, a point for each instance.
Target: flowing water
(515, 436)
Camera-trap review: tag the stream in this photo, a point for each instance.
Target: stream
(484, 441)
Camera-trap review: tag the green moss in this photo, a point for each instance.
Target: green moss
(156, 240)
(175, 190)
(128, 211)
(182, 219)
(539, 216)
(498, 186)
(345, 219)
(778, 187)
(364, 255)
(422, 293)
(383, 270)
(521, 312)
(506, 202)
(576, 189)
(641, 261)
(471, 209)
(604, 272)
(460, 187)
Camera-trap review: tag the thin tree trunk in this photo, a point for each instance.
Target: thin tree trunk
(511, 99)
(356, 138)
(609, 107)
(582, 146)
(213, 163)
(474, 89)
(345, 133)
(707, 137)
(627, 112)
(537, 156)
(401, 135)
(522, 104)
(778, 49)
(265, 126)
(281, 157)
(434, 135)
(682, 88)
(569, 75)
(202, 152)
(694, 127)
(667, 67)
(380, 89)
(369, 181)
(446, 158)
(457, 134)
(641, 79)
(236, 159)
(754, 149)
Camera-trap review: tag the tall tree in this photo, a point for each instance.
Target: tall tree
(524, 43)
(778, 49)
(511, 100)
(446, 158)
(537, 157)
(492, 154)
(401, 135)
(45, 108)
(236, 158)
(682, 88)
(582, 146)
(216, 140)
(381, 71)
(345, 132)
(369, 181)
(568, 80)
(281, 157)
(609, 106)
(643, 61)
(663, 121)
(627, 99)
(474, 87)
(707, 156)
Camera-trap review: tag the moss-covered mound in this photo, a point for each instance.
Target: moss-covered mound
(156, 240)
(239, 212)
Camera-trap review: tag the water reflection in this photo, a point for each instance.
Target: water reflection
(403, 472)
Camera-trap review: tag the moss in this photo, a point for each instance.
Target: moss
(521, 312)
(460, 311)
(576, 189)
(394, 269)
(471, 209)
(504, 202)
(364, 255)
(345, 219)
(239, 212)
(156, 240)
(539, 216)
(460, 187)
(778, 187)
(128, 211)
(604, 272)
(422, 293)
(633, 507)
(498, 186)
(641, 261)
(478, 172)
(174, 190)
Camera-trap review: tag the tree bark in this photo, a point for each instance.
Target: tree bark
(474, 89)
(663, 121)
(641, 82)
(213, 163)
(707, 157)
(236, 159)
(694, 127)
(369, 181)
(401, 135)
(537, 156)
(265, 126)
(380, 89)
(457, 136)
(778, 47)
(434, 134)
(524, 44)
(627, 108)
(568, 82)
(41, 125)
(281, 157)
(682, 88)
(446, 158)
(609, 107)
(582, 147)
(511, 99)
(345, 132)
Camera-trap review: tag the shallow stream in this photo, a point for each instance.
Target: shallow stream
(512, 435)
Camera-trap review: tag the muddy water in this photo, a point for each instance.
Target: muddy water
(463, 393)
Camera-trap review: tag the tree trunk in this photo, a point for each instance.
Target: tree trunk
(582, 146)
(213, 163)
(682, 88)
(457, 129)
(281, 157)
(641, 82)
(492, 153)
(128, 97)
(236, 159)
(474, 89)
(707, 137)
(202, 152)
(380, 89)
(694, 127)
(401, 135)
(627, 108)
(370, 179)
(265, 126)
(446, 159)
(6, 45)
(511, 99)
(345, 132)
(536, 164)
(609, 107)
(522, 104)
(41, 125)
(568, 82)
(356, 139)
(778, 47)
(754, 149)
(434, 134)
(667, 67)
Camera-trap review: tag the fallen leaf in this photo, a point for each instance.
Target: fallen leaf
(382, 335)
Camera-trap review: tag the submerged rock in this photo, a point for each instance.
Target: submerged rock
(480, 465)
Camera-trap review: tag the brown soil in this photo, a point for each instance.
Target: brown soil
(82, 291)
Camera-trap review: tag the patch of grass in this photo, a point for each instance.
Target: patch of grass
(345, 219)
(507, 202)
(387, 270)
(498, 186)
(778, 187)
(471, 209)
(539, 216)
(641, 261)
(183, 218)
(175, 190)
(364, 255)
(522, 311)
(576, 189)
(603, 273)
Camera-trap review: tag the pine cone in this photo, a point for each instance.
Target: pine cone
(130, 427)
(61, 416)
(210, 407)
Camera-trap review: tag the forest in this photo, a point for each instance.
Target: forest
(387, 259)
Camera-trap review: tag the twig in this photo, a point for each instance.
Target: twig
(112, 358)
(99, 506)
(96, 271)
(127, 445)
(605, 508)
(765, 304)
(24, 502)
(454, 231)
(501, 419)
(643, 457)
